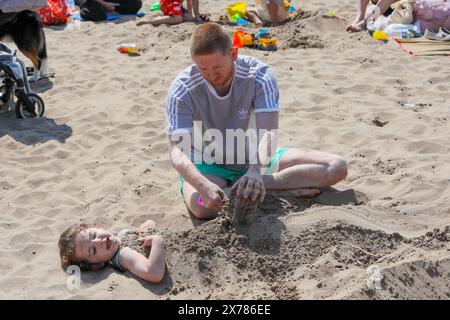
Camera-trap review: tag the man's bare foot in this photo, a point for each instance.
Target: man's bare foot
(357, 26)
(305, 192)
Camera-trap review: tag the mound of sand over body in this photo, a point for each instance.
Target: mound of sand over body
(246, 252)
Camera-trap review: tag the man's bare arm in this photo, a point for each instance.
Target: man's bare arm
(181, 162)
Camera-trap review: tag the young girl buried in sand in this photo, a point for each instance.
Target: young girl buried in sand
(139, 251)
(175, 13)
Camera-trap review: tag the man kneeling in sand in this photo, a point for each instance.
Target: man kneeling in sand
(209, 105)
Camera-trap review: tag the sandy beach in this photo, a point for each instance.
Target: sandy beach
(100, 155)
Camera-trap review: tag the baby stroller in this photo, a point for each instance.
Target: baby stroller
(14, 85)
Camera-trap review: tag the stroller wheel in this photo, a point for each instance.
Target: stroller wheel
(36, 101)
(5, 91)
(3, 94)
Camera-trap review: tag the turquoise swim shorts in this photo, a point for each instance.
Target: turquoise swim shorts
(232, 174)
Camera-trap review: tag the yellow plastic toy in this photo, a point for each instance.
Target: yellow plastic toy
(243, 39)
(130, 48)
(269, 44)
(286, 5)
(380, 35)
(248, 39)
(238, 8)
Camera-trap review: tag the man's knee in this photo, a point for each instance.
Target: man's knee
(337, 170)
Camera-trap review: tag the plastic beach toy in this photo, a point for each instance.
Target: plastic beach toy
(237, 39)
(128, 48)
(237, 13)
(330, 14)
(288, 6)
(238, 8)
(380, 35)
(244, 22)
(262, 32)
(155, 7)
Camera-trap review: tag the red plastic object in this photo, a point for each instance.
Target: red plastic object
(56, 12)
(237, 39)
(171, 7)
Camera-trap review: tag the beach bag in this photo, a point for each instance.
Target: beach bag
(403, 12)
(20, 5)
(56, 12)
(170, 7)
(93, 11)
(432, 14)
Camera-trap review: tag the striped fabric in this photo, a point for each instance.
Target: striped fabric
(192, 98)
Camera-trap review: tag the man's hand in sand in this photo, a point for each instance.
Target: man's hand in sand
(213, 197)
(250, 186)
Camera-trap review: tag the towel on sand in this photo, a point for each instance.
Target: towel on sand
(424, 47)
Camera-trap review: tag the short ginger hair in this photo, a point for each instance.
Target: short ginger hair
(208, 38)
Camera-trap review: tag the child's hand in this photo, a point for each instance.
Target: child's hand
(147, 225)
(149, 240)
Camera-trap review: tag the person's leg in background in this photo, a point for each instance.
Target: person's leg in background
(169, 20)
(273, 7)
(362, 6)
(360, 22)
(195, 7)
(252, 15)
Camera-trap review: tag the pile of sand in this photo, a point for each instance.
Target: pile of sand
(264, 260)
(250, 254)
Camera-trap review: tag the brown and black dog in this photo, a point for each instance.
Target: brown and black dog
(26, 30)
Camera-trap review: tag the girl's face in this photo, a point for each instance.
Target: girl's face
(96, 245)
